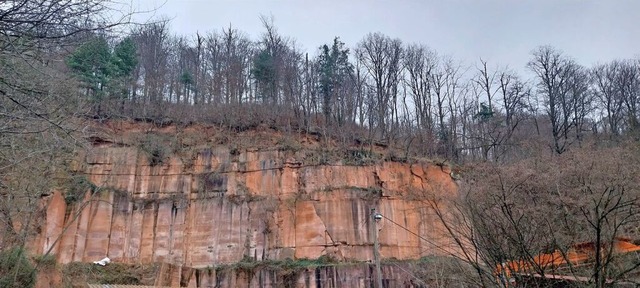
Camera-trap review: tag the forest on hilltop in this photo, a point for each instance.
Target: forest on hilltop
(547, 161)
(380, 90)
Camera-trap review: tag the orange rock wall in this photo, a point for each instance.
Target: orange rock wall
(347, 276)
(216, 207)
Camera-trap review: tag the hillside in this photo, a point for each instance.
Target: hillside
(158, 195)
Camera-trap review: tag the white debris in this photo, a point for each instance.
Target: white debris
(103, 262)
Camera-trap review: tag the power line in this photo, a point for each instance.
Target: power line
(417, 235)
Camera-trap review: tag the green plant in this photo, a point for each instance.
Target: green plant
(77, 186)
(289, 269)
(288, 144)
(45, 261)
(320, 156)
(247, 264)
(157, 147)
(15, 269)
(395, 156)
(360, 157)
(113, 273)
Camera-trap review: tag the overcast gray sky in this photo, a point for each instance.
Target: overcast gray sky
(501, 31)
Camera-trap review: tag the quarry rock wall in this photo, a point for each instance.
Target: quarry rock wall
(220, 206)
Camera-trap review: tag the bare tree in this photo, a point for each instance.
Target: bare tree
(496, 124)
(458, 106)
(629, 84)
(509, 214)
(214, 70)
(419, 63)
(38, 103)
(269, 62)
(50, 24)
(186, 70)
(308, 99)
(237, 47)
(555, 73)
(611, 210)
(438, 82)
(580, 99)
(381, 57)
(41, 107)
(486, 80)
(291, 85)
(609, 95)
(445, 85)
(153, 46)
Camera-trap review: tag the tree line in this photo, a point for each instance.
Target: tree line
(384, 90)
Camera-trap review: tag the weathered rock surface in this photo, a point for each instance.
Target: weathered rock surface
(347, 276)
(221, 206)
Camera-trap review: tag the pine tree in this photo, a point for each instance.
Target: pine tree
(106, 74)
(335, 69)
(264, 72)
(124, 58)
(123, 61)
(91, 63)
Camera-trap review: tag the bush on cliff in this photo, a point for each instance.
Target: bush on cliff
(114, 273)
(15, 269)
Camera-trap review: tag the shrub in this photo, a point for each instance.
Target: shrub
(288, 143)
(45, 261)
(15, 269)
(360, 157)
(113, 273)
(77, 185)
(155, 148)
(320, 156)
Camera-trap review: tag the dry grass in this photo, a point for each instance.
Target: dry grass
(78, 274)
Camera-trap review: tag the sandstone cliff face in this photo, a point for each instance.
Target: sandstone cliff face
(347, 276)
(221, 206)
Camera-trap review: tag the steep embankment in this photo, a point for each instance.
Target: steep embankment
(218, 204)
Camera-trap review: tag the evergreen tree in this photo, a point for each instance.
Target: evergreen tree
(105, 73)
(124, 58)
(264, 72)
(187, 82)
(335, 70)
(91, 63)
(123, 61)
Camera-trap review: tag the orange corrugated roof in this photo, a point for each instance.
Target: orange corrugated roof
(579, 252)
